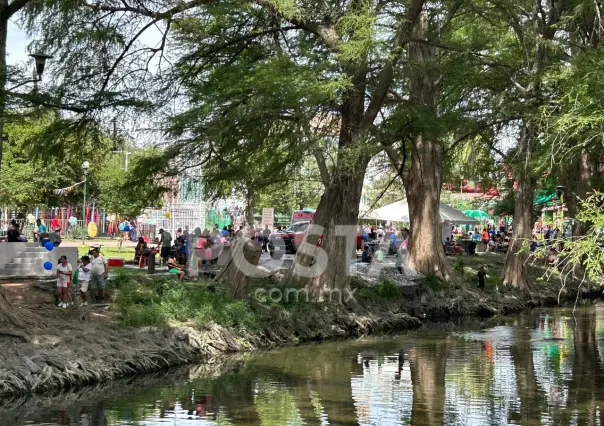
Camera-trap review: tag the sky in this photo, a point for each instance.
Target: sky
(16, 44)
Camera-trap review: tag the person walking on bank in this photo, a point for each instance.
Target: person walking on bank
(99, 274)
(165, 242)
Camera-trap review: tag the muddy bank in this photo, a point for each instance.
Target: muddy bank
(92, 355)
(68, 350)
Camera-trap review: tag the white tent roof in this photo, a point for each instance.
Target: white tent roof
(399, 212)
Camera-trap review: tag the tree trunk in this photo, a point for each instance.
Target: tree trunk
(241, 267)
(424, 180)
(323, 269)
(515, 270)
(249, 208)
(3, 71)
(581, 181)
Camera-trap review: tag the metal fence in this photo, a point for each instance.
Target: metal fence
(177, 215)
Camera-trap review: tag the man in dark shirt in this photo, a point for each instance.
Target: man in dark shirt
(481, 276)
(13, 235)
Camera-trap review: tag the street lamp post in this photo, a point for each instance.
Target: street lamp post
(85, 167)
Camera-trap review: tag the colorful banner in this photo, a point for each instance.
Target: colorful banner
(67, 190)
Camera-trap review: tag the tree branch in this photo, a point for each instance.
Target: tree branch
(323, 171)
(387, 73)
(325, 31)
(124, 52)
(478, 129)
(15, 6)
(168, 14)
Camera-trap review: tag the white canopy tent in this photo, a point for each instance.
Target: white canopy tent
(399, 212)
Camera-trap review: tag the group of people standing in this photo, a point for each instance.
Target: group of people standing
(92, 273)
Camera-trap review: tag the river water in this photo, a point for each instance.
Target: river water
(546, 368)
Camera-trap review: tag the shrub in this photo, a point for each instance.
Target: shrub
(160, 301)
(389, 290)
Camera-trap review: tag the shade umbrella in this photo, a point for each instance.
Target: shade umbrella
(476, 214)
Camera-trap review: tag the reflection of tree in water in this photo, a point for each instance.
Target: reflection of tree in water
(503, 375)
(532, 398)
(586, 387)
(428, 366)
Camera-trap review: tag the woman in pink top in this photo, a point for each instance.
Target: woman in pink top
(200, 251)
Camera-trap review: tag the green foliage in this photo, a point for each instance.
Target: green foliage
(32, 167)
(434, 283)
(587, 250)
(459, 265)
(159, 301)
(389, 290)
(124, 192)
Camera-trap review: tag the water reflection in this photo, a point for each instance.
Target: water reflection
(542, 369)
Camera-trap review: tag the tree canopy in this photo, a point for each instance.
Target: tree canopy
(264, 96)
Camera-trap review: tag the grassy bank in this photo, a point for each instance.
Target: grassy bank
(163, 302)
(157, 322)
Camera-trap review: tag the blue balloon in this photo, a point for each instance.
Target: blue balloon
(126, 228)
(224, 233)
(365, 237)
(49, 246)
(48, 266)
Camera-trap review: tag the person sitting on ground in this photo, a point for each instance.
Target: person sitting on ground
(84, 272)
(552, 258)
(64, 282)
(13, 235)
(481, 277)
(55, 238)
(138, 250)
(38, 230)
(174, 268)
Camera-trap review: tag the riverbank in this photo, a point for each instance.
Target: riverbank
(155, 323)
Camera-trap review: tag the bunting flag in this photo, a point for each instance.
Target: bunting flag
(67, 190)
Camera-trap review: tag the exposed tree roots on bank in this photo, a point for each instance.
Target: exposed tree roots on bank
(96, 356)
(65, 358)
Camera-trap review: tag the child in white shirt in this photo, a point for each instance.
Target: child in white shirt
(84, 271)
